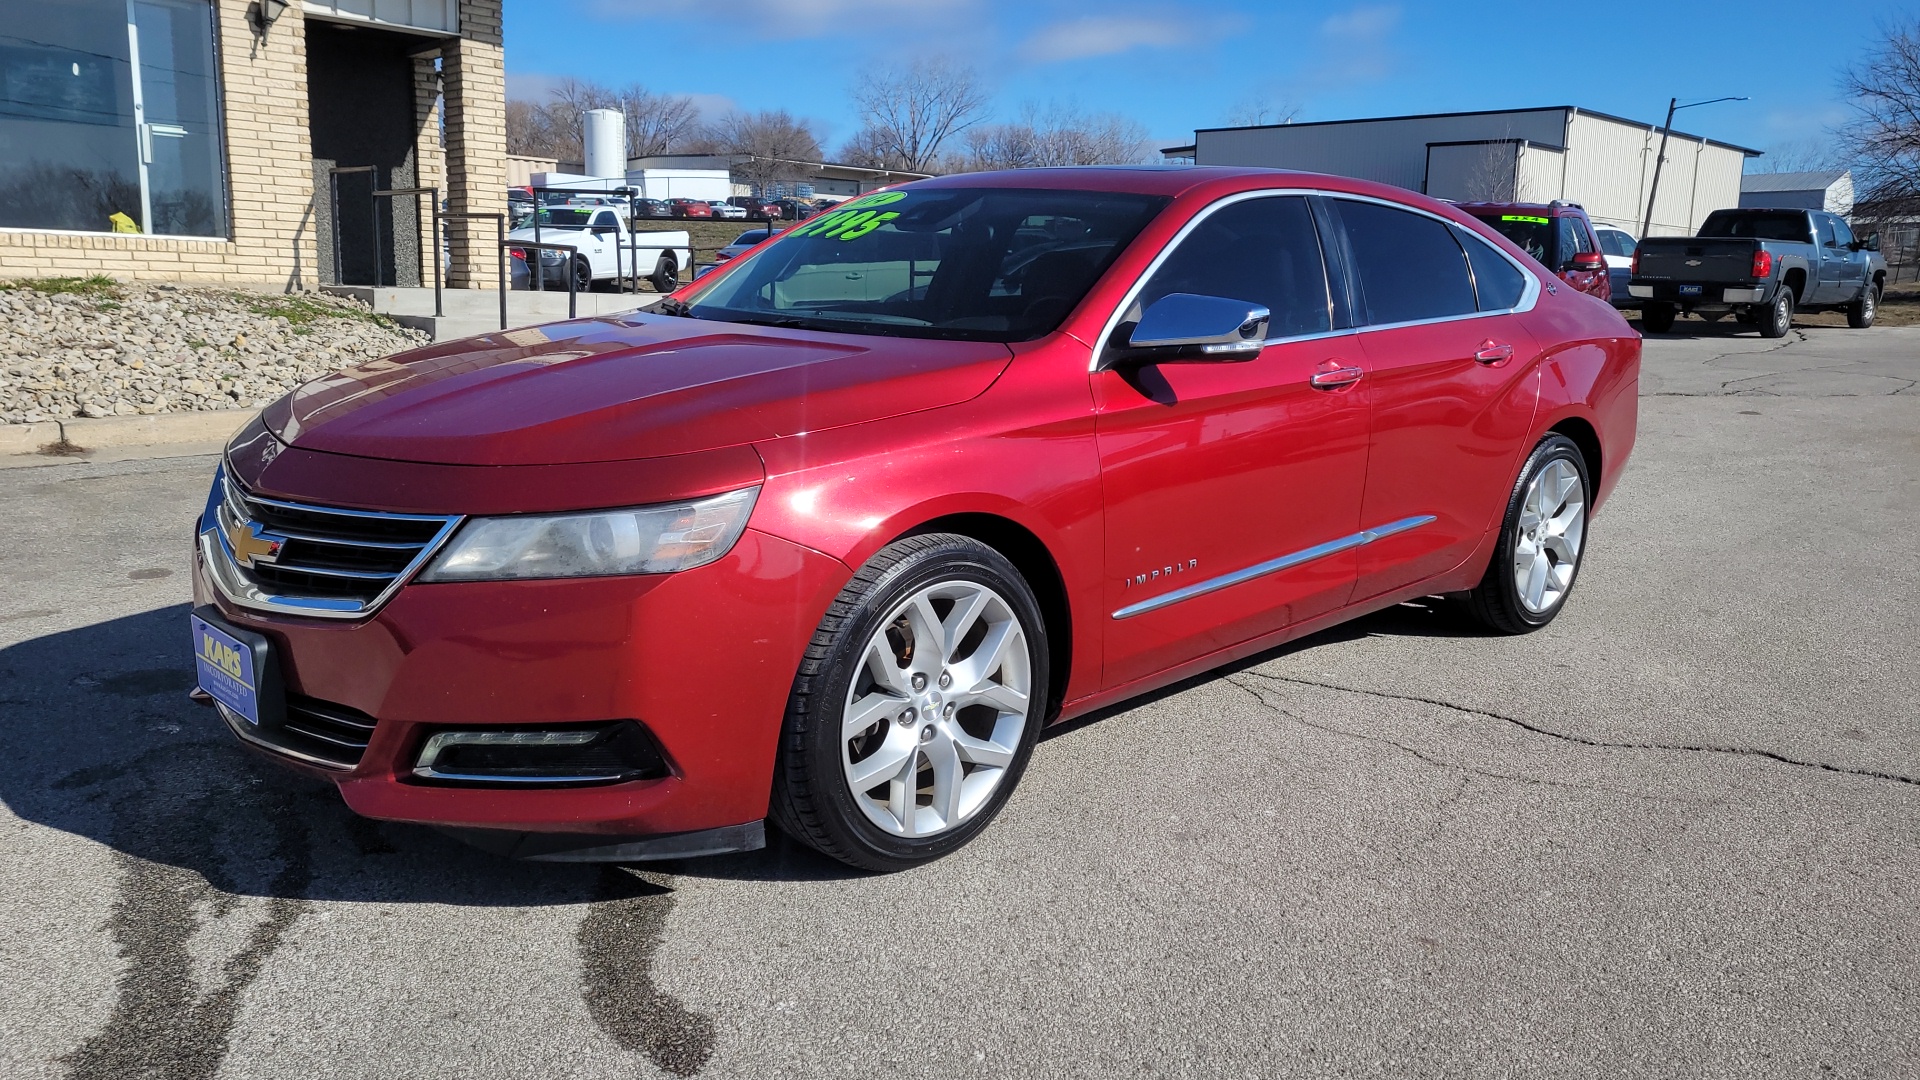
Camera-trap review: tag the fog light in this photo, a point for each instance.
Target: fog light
(599, 754)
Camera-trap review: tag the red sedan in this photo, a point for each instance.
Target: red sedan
(831, 535)
(691, 208)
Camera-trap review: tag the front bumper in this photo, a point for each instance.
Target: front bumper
(704, 659)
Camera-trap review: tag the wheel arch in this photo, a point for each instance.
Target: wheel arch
(1037, 565)
(1796, 279)
(1587, 438)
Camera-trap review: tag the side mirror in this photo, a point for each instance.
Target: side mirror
(1191, 326)
(1869, 242)
(1586, 261)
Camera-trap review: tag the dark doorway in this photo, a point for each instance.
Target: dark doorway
(360, 112)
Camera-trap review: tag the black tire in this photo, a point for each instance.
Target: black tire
(812, 801)
(1777, 319)
(666, 274)
(1495, 603)
(1865, 307)
(582, 274)
(1658, 318)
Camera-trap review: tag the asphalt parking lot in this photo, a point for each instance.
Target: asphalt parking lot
(1675, 834)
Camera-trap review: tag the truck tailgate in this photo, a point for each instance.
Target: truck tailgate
(1695, 259)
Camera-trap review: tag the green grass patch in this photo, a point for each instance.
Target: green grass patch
(303, 312)
(95, 285)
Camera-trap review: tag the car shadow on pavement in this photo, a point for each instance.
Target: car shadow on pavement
(101, 742)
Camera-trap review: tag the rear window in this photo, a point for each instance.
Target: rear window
(1615, 242)
(1757, 225)
(1410, 265)
(1532, 233)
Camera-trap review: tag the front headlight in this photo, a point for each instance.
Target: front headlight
(643, 540)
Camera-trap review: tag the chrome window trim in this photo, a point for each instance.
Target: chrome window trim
(1274, 566)
(1529, 296)
(225, 575)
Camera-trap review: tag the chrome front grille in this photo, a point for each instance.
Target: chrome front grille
(329, 562)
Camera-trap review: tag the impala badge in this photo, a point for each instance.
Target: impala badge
(1165, 571)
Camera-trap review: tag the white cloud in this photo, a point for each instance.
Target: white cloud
(1368, 23)
(1090, 36)
(794, 18)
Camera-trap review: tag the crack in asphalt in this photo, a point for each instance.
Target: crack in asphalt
(618, 941)
(163, 1025)
(1600, 744)
(1429, 759)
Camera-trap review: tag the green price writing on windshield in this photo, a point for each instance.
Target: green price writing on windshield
(1523, 217)
(854, 220)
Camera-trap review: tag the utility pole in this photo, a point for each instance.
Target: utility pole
(1653, 190)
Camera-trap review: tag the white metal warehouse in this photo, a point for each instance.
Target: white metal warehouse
(1602, 162)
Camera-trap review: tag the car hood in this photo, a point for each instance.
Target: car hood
(618, 388)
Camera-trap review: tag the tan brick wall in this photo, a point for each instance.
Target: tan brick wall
(430, 167)
(474, 74)
(269, 171)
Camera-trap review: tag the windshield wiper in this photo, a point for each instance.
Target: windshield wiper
(677, 308)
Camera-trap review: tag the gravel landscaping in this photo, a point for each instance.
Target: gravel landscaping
(94, 347)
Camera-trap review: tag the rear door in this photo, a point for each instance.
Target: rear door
(1231, 488)
(1453, 386)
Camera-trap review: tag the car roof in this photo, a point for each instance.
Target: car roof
(1199, 182)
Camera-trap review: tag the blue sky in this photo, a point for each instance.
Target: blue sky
(1175, 66)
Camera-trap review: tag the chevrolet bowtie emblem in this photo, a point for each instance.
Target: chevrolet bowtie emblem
(251, 545)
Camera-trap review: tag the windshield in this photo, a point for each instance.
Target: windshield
(1533, 233)
(1758, 226)
(986, 264)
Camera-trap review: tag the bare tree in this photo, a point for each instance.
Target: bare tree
(908, 113)
(1493, 174)
(656, 123)
(1058, 135)
(1884, 137)
(767, 147)
(870, 149)
(1259, 111)
(1802, 155)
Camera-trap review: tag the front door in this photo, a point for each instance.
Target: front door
(1222, 479)
(1846, 268)
(1454, 389)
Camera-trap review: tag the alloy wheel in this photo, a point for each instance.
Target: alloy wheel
(1552, 524)
(937, 709)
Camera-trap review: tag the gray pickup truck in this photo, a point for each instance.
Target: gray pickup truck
(1761, 265)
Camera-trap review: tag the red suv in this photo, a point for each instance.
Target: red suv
(1557, 234)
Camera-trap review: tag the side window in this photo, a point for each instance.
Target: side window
(1842, 235)
(1823, 228)
(1499, 283)
(1409, 265)
(1573, 239)
(1615, 242)
(1263, 251)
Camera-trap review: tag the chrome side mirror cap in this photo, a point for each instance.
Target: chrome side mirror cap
(1204, 327)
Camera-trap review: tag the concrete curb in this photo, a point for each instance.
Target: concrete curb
(160, 430)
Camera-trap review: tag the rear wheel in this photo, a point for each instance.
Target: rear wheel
(1542, 539)
(916, 706)
(1778, 319)
(1658, 318)
(666, 275)
(1861, 313)
(582, 274)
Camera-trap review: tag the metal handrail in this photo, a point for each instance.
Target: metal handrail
(536, 271)
(500, 228)
(416, 192)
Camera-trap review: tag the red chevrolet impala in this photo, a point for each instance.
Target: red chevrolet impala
(830, 536)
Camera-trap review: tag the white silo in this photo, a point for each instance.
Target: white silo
(606, 131)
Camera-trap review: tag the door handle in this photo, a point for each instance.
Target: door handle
(1335, 378)
(1493, 354)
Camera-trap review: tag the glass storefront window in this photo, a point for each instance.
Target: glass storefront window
(109, 117)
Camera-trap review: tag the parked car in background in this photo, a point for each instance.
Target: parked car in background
(691, 208)
(755, 208)
(833, 534)
(1762, 265)
(728, 210)
(652, 208)
(593, 232)
(1617, 245)
(795, 209)
(744, 243)
(1557, 234)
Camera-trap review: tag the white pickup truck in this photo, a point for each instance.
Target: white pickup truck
(595, 233)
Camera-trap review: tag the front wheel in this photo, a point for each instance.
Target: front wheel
(1542, 538)
(1778, 318)
(1861, 313)
(916, 705)
(582, 274)
(1658, 318)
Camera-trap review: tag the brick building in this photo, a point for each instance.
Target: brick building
(196, 140)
